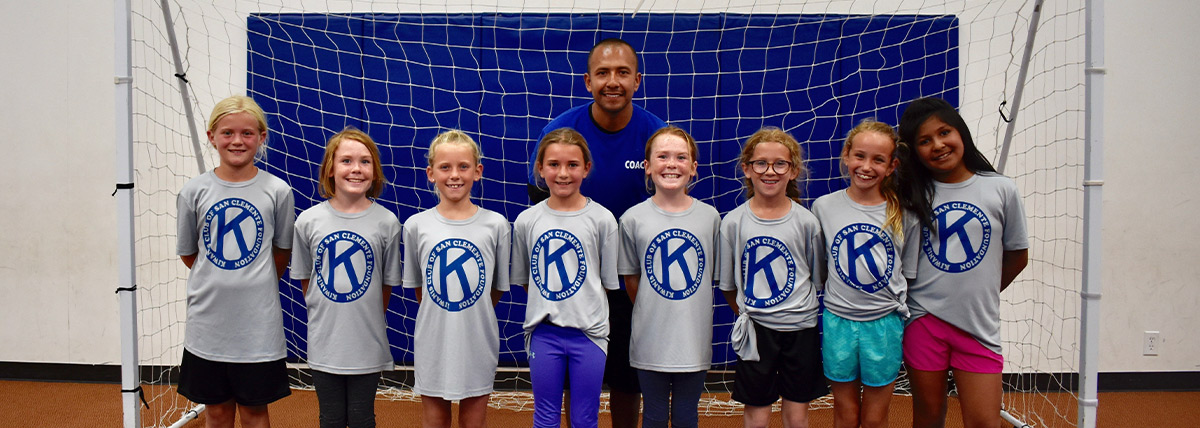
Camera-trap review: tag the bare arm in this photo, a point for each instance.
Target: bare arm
(418, 293)
(496, 295)
(631, 285)
(304, 287)
(1011, 265)
(188, 260)
(282, 257)
(387, 295)
(731, 299)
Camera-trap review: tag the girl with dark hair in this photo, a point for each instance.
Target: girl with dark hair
(973, 244)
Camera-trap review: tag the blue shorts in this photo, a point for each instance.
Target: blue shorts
(868, 350)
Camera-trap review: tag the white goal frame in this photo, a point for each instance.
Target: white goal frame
(1090, 294)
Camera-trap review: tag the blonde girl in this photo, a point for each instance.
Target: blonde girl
(456, 259)
(871, 248)
(235, 233)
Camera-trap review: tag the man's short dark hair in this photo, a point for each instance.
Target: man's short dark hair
(609, 42)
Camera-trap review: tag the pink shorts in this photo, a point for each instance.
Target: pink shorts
(931, 344)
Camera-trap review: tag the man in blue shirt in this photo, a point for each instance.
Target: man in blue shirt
(616, 131)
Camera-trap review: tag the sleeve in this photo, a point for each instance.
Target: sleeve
(302, 261)
(910, 249)
(519, 267)
(821, 271)
(628, 263)
(411, 265)
(503, 254)
(285, 217)
(817, 208)
(1016, 236)
(714, 259)
(609, 248)
(816, 256)
(188, 238)
(393, 273)
(726, 259)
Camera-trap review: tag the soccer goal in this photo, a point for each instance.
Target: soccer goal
(500, 70)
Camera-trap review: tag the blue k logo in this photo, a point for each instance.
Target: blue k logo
(232, 233)
(769, 271)
(557, 264)
(455, 275)
(964, 233)
(674, 264)
(345, 263)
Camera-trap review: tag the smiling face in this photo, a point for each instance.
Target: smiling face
(770, 184)
(353, 170)
(940, 148)
(563, 167)
(869, 160)
(670, 165)
(612, 78)
(453, 171)
(237, 138)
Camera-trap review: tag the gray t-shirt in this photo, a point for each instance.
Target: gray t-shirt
(347, 258)
(958, 276)
(775, 265)
(673, 314)
(457, 263)
(233, 311)
(567, 259)
(866, 263)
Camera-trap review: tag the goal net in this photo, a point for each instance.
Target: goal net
(500, 70)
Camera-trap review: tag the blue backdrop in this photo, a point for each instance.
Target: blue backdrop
(501, 77)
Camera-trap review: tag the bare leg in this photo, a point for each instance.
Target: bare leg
(980, 396)
(435, 412)
(472, 412)
(846, 403)
(257, 416)
(220, 415)
(756, 416)
(929, 398)
(875, 403)
(795, 415)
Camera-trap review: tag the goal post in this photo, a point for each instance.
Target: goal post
(131, 392)
(500, 70)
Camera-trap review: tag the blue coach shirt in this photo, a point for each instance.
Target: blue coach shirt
(617, 180)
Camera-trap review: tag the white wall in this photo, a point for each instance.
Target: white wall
(57, 264)
(1151, 252)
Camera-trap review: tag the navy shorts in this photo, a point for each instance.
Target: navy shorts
(248, 384)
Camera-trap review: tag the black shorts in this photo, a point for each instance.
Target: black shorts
(789, 366)
(617, 373)
(248, 384)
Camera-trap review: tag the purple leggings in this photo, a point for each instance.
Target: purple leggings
(555, 352)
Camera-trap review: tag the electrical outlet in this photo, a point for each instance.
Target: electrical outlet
(1151, 341)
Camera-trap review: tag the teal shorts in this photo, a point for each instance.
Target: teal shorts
(868, 350)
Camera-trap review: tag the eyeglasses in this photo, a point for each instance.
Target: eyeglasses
(780, 166)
